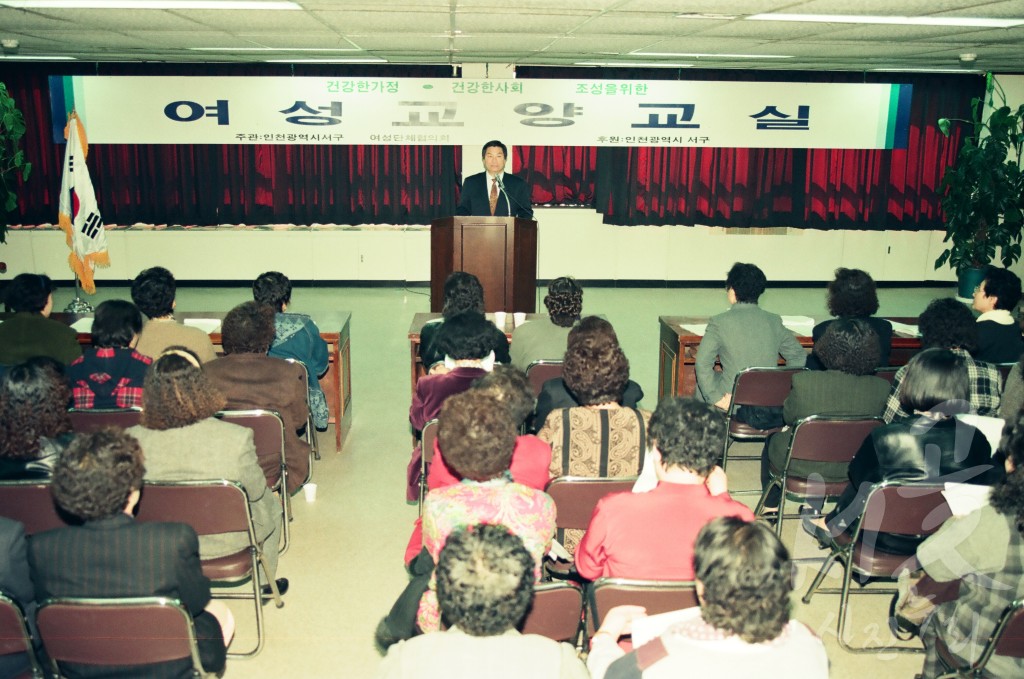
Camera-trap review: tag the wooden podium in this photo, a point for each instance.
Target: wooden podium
(500, 251)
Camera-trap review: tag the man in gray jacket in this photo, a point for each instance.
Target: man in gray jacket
(745, 336)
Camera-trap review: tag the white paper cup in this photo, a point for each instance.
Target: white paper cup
(310, 490)
(499, 319)
(519, 317)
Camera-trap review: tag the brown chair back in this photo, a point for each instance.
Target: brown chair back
(556, 611)
(14, 634)
(85, 421)
(268, 435)
(1011, 637)
(830, 439)
(428, 439)
(888, 373)
(117, 632)
(657, 596)
(31, 503)
(210, 507)
(904, 509)
(576, 496)
(539, 372)
(762, 386)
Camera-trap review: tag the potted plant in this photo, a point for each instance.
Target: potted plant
(12, 158)
(983, 201)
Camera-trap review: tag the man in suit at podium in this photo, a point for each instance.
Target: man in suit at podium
(494, 192)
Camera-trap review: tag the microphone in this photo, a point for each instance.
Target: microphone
(519, 206)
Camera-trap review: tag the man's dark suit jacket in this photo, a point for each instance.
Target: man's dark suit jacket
(476, 197)
(117, 557)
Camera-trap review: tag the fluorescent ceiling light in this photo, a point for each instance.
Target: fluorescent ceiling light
(911, 69)
(353, 60)
(25, 57)
(701, 55)
(275, 49)
(645, 64)
(895, 20)
(150, 4)
(707, 15)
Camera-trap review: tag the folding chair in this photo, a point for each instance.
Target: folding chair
(84, 421)
(268, 435)
(117, 632)
(818, 439)
(1006, 639)
(888, 373)
(14, 635)
(539, 372)
(214, 507)
(427, 438)
(755, 387)
(310, 433)
(556, 611)
(575, 498)
(31, 503)
(657, 596)
(893, 507)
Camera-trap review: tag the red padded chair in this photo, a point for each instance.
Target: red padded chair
(764, 387)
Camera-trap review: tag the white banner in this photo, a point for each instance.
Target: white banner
(258, 110)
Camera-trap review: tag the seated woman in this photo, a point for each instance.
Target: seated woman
(251, 379)
(931, 446)
(30, 331)
(34, 423)
(985, 552)
(110, 374)
(545, 339)
(556, 393)
(484, 589)
(183, 441)
(478, 436)
(295, 336)
(99, 480)
(465, 343)
(852, 296)
(996, 298)
(530, 457)
(848, 350)
(742, 627)
(463, 293)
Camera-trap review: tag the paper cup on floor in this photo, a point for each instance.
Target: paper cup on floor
(499, 319)
(310, 490)
(519, 317)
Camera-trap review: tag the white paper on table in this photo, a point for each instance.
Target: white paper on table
(905, 329)
(83, 325)
(653, 626)
(799, 325)
(990, 427)
(207, 325)
(964, 498)
(697, 329)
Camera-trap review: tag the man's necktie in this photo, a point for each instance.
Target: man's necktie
(494, 194)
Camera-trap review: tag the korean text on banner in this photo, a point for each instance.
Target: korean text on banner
(79, 215)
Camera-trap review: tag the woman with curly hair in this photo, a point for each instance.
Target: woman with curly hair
(545, 339)
(34, 423)
(852, 295)
(984, 550)
(742, 627)
(463, 293)
(478, 436)
(847, 387)
(183, 441)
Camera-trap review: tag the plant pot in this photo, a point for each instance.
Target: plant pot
(968, 280)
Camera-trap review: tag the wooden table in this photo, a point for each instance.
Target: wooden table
(677, 352)
(336, 382)
(419, 320)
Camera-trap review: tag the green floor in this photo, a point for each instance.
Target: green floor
(345, 562)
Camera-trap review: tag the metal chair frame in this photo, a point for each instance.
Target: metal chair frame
(657, 596)
(1011, 622)
(738, 431)
(427, 437)
(826, 491)
(539, 372)
(85, 420)
(14, 633)
(879, 518)
(556, 612)
(310, 434)
(214, 507)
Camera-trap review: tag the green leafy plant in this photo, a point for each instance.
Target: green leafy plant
(12, 158)
(983, 201)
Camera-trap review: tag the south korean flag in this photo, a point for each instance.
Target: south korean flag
(79, 215)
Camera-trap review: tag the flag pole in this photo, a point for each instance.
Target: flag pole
(78, 305)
